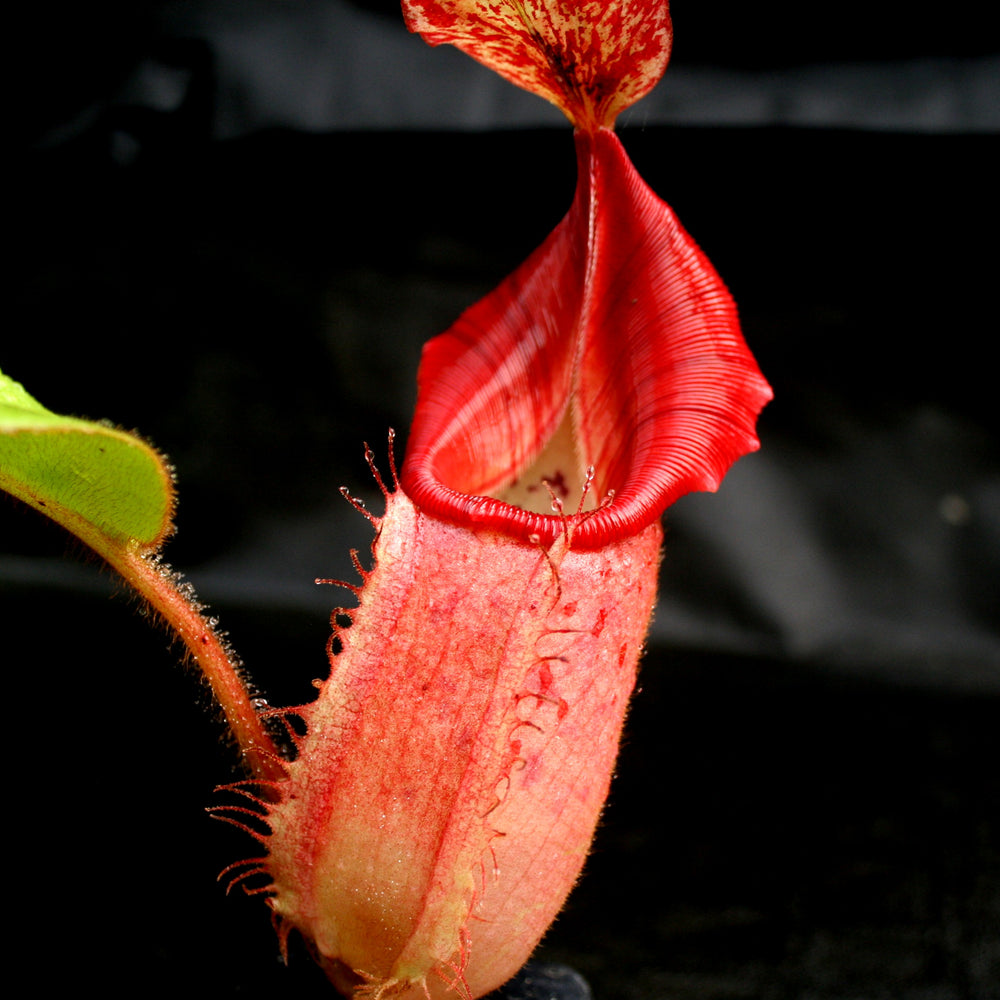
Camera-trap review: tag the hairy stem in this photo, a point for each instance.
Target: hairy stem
(179, 609)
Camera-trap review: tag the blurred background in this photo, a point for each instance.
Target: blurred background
(233, 226)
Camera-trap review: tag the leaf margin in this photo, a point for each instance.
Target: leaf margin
(105, 485)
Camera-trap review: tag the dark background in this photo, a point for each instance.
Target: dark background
(234, 224)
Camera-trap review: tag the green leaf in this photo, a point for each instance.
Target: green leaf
(108, 487)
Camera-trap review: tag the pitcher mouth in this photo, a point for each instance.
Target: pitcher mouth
(615, 347)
